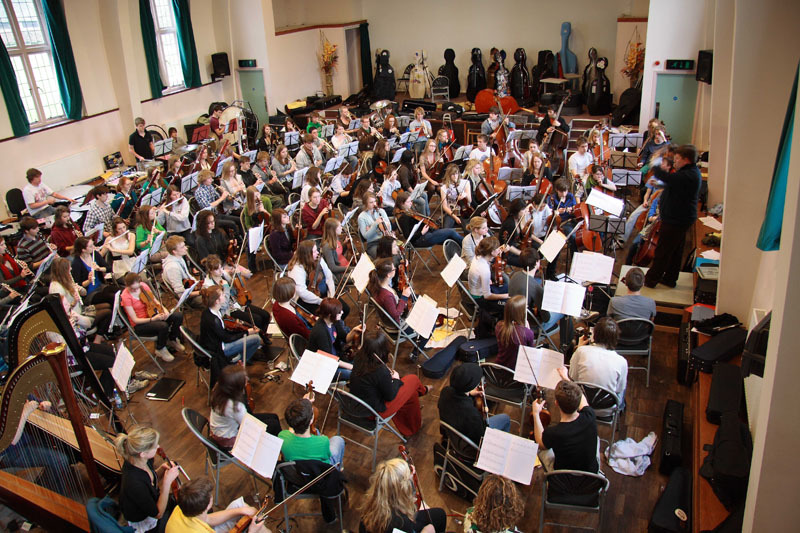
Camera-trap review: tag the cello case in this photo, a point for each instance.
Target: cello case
(501, 75)
(385, 85)
(492, 69)
(450, 70)
(418, 83)
(569, 61)
(543, 69)
(476, 78)
(521, 79)
(589, 73)
(598, 101)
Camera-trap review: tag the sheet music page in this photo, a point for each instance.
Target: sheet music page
(552, 245)
(422, 317)
(573, 299)
(543, 368)
(157, 240)
(360, 274)
(591, 266)
(114, 311)
(450, 312)
(318, 367)
(605, 202)
(507, 455)
(453, 270)
(251, 155)
(255, 447)
(222, 164)
(348, 216)
(141, 261)
(297, 180)
(418, 190)
(188, 183)
(255, 237)
(291, 208)
(123, 366)
(621, 176)
(184, 296)
(504, 173)
(553, 297)
(97, 230)
(712, 223)
(354, 124)
(397, 155)
(333, 164)
(404, 137)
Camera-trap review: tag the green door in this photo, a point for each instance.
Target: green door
(676, 95)
(254, 92)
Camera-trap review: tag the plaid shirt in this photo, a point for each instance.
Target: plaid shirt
(98, 214)
(205, 196)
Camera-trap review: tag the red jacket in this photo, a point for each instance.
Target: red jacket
(309, 215)
(289, 322)
(62, 237)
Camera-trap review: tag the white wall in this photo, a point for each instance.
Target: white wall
(511, 24)
(677, 30)
(295, 13)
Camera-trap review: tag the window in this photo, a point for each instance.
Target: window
(23, 33)
(169, 57)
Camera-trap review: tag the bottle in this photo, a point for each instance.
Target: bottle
(117, 400)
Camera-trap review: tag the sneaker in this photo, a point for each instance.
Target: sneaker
(136, 385)
(164, 354)
(176, 345)
(142, 375)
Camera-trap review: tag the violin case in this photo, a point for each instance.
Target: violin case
(673, 509)
(727, 385)
(721, 347)
(671, 437)
(477, 350)
(438, 365)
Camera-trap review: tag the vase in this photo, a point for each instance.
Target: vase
(328, 84)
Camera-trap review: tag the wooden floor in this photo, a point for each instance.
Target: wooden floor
(630, 500)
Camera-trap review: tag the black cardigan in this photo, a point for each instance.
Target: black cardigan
(319, 339)
(215, 243)
(375, 388)
(213, 333)
(138, 496)
(80, 272)
(458, 410)
(678, 204)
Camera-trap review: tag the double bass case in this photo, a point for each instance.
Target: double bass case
(476, 78)
(450, 71)
(385, 85)
(520, 84)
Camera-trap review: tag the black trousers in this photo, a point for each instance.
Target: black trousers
(163, 329)
(260, 318)
(435, 516)
(101, 356)
(668, 255)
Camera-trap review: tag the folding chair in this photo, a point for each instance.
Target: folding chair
(573, 490)
(440, 89)
(636, 338)
(451, 249)
(462, 453)
(357, 414)
(606, 405)
(215, 457)
(297, 345)
(415, 251)
(500, 386)
(540, 332)
(123, 316)
(290, 479)
(396, 332)
(201, 359)
(468, 304)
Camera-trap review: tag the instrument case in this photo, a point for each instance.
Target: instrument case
(673, 510)
(727, 385)
(436, 367)
(477, 350)
(721, 347)
(671, 437)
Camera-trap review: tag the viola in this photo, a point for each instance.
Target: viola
(244, 522)
(407, 457)
(498, 270)
(176, 483)
(308, 317)
(243, 296)
(479, 401)
(152, 306)
(314, 410)
(233, 324)
(262, 217)
(402, 277)
(231, 254)
(428, 221)
(544, 415)
(380, 168)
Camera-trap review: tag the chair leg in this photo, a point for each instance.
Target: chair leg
(542, 507)
(649, 357)
(375, 449)
(444, 471)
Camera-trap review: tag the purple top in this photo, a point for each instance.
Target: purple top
(507, 353)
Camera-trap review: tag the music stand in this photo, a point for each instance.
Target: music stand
(462, 152)
(354, 124)
(519, 191)
(624, 141)
(200, 134)
(626, 178)
(221, 164)
(291, 138)
(609, 227)
(326, 131)
(162, 147)
(484, 206)
(349, 149)
(333, 163)
(189, 183)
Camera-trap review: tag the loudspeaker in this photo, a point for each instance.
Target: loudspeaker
(221, 65)
(705, 61)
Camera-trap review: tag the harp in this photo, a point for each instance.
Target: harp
(52, 460)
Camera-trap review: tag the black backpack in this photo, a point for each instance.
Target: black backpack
(727, 465)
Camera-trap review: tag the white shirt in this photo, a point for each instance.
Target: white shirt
(177, 220)
(300, 277)
(174, 272)
(540, 220)
(481, 155)
(595, 364)
(480, 277)
(33, 195)
(387, 188)
(579, 163)
(226, 424)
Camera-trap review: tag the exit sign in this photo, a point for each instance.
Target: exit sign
(679, 64)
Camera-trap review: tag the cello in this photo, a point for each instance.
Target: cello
(586, 239)
(555, 141)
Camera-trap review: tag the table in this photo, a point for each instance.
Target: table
(668, 301)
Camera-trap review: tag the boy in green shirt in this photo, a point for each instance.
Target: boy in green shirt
(299, 444)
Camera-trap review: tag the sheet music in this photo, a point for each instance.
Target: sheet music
(422, 317)
(398, 154)
(46, 262)
(333, 164)
(450, 312)
(114, 312)
(452, 272)
(184, 296)
(712, 223)
(624, 177)
(711, 254)
(251, 155)
(414, 230)
(326, 131)
(354, 124)
(97, 230)
(605, 202)
(552, 245)
(157, 240)
(462, 152)
(360, 274)
(404, 137)
(519, 191)
(123, 366)
(562, 297)
(592, 266)
(544, 363)
(508, 455)
(291, 137)
(255, 236)
(318, 367)
(255, 447)
(297, 180)
(189, 182)
(291, 208)
(418, 190)
(348, 216)
(221, 164)
(141, 261)
(509, 174)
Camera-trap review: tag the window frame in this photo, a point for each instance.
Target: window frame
(162, 63)
(23, 51)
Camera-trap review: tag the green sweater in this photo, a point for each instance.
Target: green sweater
(142, 235)
(303, 448)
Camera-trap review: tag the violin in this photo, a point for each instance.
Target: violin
(176, 483)
(244, 522)
(262, 217)
(243, 296)
(314, 410)
(248, 392)
(152, 306)
(407, 457)
(498, 270)
(402, 277)
(544, 415)
(308, 317)
(479, 401)
(231, 254)
(428, 221)
(233, 324)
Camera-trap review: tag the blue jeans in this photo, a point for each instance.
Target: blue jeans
(438, 236)
(421, 204)
(337, 450)
(28, 454)
(250, 343)
(342, 374)
(501, 422)
(554, 318)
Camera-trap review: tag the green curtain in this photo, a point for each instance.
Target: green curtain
(769, 238)
(366, 55)
(150, 48)
(69, 85)
(8, 83)
(183, 22)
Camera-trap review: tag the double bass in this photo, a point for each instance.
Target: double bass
(555, 141)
